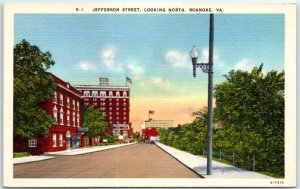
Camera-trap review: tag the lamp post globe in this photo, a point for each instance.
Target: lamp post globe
(194, 52)
(194, 56)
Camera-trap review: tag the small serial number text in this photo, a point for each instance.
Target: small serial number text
(277, 182)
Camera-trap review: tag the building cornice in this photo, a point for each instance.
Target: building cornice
(97, 87)
(69, 90)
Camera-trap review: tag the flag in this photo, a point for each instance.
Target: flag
(129, 80)
(151, 111)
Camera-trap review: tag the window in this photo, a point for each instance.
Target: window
(102, 93)
(110, 103)
(110, 99)
(124, 117)
(68, 102)
(124, 113)
(55, 98)
(94, 93)
(68, 118)
(55, 114)
(110, 93)
(32, 143)
(110, 108)
(124, 94)
(118, 100)
(110, 117)
(61, 116)
(117, 104)
(77, 120)
(74, 123)
(54, 139)
(61, 100)
(118, 118)
(117, 113)
(94, 99)
(73, 104)
(77, 106)
(86, 93)
(110, 113)
(118, 94)
(60, 140)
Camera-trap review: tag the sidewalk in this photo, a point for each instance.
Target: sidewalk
(87, 150)
(219, 170)
(79, 151)
(28, 159)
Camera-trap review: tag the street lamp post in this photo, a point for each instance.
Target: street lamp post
(207, 68)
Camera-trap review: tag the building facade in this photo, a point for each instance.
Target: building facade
(64, 134)
(113, 101)
(149, 128)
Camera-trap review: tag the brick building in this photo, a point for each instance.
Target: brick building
(65, 107)
(150, 127)
(113, 101)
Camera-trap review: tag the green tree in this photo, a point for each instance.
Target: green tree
(32, 86)
(250, 108)
(94, 120)
(137, 135)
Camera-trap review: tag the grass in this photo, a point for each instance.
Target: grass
(21, 154)
(230, 163)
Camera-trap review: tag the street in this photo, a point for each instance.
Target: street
(134, 161)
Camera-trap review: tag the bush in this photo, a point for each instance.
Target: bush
(21, 154)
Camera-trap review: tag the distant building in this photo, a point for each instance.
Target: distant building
(64, 134)
(113, 101)
(150, 127)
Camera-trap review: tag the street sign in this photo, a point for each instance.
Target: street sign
(84, 129)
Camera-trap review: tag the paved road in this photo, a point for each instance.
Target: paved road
(134, 161)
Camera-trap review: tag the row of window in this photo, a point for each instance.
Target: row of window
(102, 99)
(103, 103)
(118, 122)
(124, 118)
(61, 101)
(61, 120)
(103, 94)
(104, 108)
(32, 143)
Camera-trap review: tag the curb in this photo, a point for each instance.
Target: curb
(31, 161)
(92, 151)
(181, 162)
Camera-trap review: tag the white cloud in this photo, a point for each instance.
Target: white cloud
(160, 82)
(245, 65)
(108, 56)
(156, 80)
(205, 55)
(177, 58)
(134, 69)
(86, 65)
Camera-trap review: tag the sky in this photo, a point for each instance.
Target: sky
(153, 50)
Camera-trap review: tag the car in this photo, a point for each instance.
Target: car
(152, 142)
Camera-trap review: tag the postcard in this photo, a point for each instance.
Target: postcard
(149, 95)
